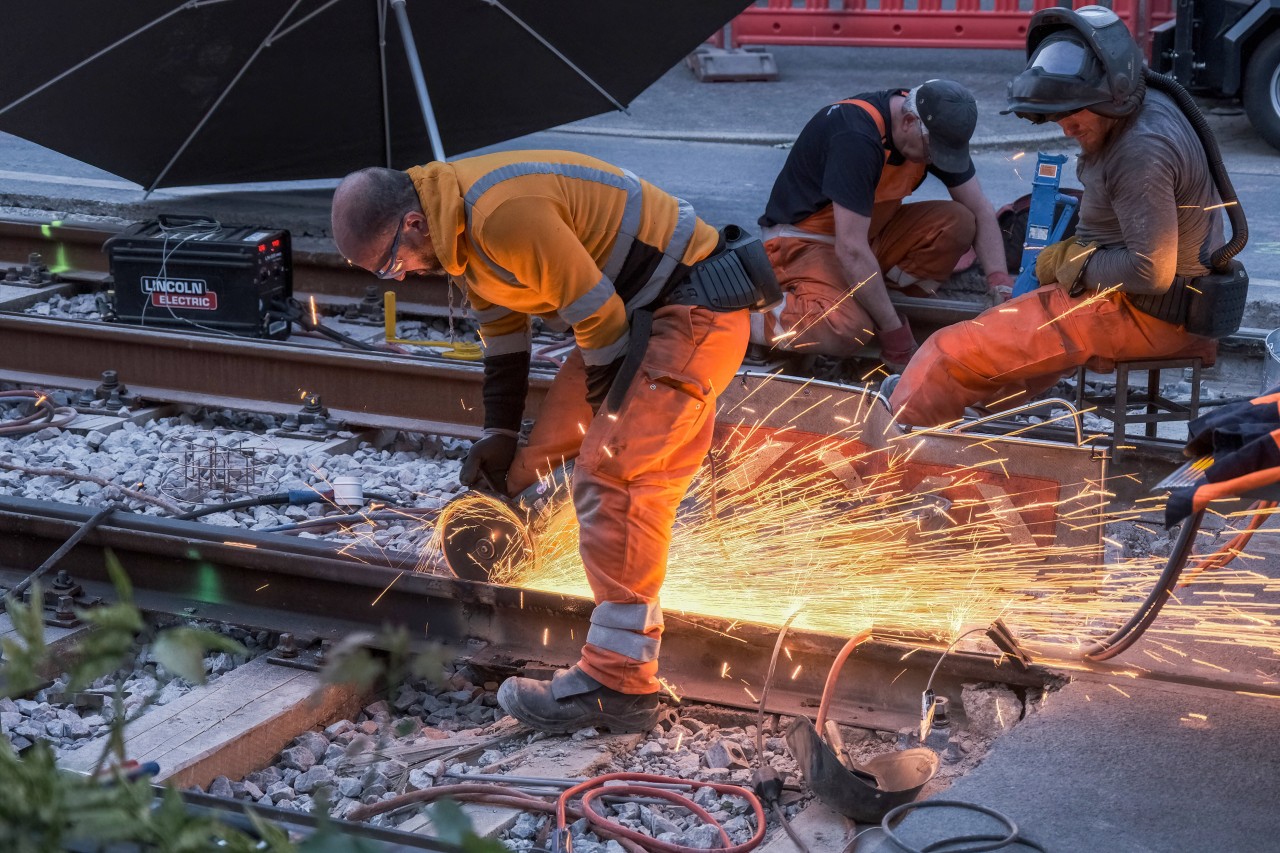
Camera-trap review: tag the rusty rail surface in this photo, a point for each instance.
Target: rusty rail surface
(381, 390)
(319, 590)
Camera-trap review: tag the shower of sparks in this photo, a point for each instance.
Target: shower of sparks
(385, 590)
(845, 529)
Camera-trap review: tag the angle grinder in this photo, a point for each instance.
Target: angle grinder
(486, 536)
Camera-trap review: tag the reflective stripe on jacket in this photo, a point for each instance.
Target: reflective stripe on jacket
(557, 235)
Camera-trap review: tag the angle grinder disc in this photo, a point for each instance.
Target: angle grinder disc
(482, 538)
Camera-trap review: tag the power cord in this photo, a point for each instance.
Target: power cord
(992, 841)
(765, 780)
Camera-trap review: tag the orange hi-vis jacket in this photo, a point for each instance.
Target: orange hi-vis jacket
(897, 180)
(557, 235)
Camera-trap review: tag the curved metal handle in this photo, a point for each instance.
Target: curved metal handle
(1075, 414)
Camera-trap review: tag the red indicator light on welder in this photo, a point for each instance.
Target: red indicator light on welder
(275, 244)
(262, 247)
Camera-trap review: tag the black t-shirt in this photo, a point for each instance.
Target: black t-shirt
(838, 157)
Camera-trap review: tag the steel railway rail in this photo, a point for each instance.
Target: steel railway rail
(317, 591)
(325, 275)
(382, 390)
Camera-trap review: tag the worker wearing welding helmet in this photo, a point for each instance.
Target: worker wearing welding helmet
(838, 233)
(1148, 213)
(586, 246)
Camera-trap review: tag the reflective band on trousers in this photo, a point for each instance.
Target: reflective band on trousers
(626, 643)
(618, 628)
(640, 616)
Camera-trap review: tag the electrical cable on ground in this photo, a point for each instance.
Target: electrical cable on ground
(636, 784)
(46, 414)
(767, 783)
(82, 531)
(407, 513)
(991, 841)
(1131, 631)
(929, 684)
(1261, 512)
(833, 675)
(293, 497)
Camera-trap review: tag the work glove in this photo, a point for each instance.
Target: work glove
(600, 379)
(489, 460)
(1063, 263)
(1000, 284)
(506, 382)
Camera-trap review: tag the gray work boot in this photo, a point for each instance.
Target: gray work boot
(573, 700)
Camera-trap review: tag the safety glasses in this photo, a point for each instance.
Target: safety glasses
(1042, 118)
(391, 268)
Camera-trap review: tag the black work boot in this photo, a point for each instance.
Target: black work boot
(573, 700)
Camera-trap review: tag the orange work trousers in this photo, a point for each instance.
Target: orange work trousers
(925, 239)
(633, 469)
(1012, 352)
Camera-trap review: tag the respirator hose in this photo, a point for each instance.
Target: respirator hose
(1239, 226)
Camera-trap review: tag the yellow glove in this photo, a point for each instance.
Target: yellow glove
(1063, 262)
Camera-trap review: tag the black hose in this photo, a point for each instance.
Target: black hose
(989, 841)
(1150, 609)
(270, 500)
(56, 557)
(1226, 190)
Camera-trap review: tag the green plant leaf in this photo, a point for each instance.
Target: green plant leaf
(351, 662)
(181, 650)
(453, 827)
(24, 655)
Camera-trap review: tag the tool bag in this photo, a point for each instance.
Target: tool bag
(736, 276)
(1211, 305)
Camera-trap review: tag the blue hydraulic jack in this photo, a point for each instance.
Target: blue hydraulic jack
(1042, 228)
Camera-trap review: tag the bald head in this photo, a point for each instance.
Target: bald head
(367, 206)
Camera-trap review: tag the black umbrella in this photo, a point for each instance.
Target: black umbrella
(170, 93)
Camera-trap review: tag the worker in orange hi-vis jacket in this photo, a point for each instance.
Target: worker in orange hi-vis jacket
(1149, 217)
(839, 234)
(591, 247)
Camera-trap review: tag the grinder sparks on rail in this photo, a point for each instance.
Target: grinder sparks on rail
(657, 301)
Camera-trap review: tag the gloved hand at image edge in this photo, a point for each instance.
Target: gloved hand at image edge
(600, 379)
(1064, 262)
(506, 383)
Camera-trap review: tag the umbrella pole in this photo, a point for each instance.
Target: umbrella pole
(419, 82)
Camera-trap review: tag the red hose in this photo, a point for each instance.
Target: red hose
(833, 675)
(1228, 552)
(593, 788)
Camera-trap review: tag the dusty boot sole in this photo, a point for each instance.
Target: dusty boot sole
(640, 720)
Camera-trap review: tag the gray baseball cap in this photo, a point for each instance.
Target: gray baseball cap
(950, 115)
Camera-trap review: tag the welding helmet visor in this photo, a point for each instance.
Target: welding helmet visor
(1081, 59)
(1062, 77)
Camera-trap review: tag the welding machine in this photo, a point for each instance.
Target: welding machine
(187, 272)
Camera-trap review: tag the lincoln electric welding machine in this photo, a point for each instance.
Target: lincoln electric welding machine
(184, 272)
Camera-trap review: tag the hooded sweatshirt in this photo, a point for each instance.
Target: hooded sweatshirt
(557, 235)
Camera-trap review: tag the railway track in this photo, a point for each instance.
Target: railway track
(320, 593)
(382, 390)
